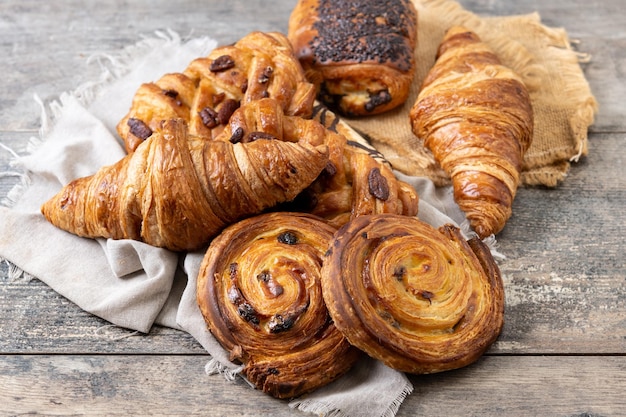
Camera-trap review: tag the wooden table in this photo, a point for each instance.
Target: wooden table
(562, 351)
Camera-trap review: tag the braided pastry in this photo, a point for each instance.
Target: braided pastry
(475, 116)
(211, 88)
(177, 191)
(259, 291)
(419, 299)
(360, 54)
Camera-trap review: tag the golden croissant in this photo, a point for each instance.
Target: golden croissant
(353, 183)
(475, 115)
(211, 88)
(259, 291)
(177, 191)
(417, 298)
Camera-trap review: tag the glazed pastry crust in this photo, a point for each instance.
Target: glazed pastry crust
(259, 291)
(475, 115)
(177, 191)
(355, 180)
(420, 299)
(211, 88)
(360, 54)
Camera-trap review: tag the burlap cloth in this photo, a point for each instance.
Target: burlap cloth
(563, 104)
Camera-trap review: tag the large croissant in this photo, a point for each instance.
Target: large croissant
(475, 115)
(353, 183)
(211, 88)
(177, 191)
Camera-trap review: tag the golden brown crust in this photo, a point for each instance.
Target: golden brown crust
(475, 116)
(359, 54)
(420, 299)
(259, 291)
(177, 191)
(207, 92)
(353, 183)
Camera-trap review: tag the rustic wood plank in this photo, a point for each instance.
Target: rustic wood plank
(564, 274)
(134, 385)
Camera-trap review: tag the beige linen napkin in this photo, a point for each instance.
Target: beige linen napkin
(563, 104)
(134, 285)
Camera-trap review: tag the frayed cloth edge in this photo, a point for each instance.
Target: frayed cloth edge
(327, 410)
(113, 66)
(214, 367)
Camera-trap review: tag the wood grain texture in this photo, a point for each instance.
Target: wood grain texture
(563, 348)
(133, 385)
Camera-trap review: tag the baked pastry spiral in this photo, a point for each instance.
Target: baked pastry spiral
(259, 291)
(211, 88)
(360, 54)
(177, 191)
(475, 115)
(420, 299)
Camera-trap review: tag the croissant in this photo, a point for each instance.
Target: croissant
(417, 298)
(177, 191)
(476, 117)
(211, 88)
(260, 294)
(354, 182)
(359, 54)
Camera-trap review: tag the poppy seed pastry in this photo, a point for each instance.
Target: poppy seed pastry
(359, 54)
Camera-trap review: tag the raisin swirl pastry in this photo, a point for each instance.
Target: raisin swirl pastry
(211, 88)
(259, 291)
(360, 54)
(420, 299)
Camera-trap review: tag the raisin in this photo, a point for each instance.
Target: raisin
(288, 238)
(248, 313)
(278, 323)
(399, 273)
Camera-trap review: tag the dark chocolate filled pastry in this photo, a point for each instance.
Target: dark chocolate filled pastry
(360, 54)
(420, 299)
(259, 291)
